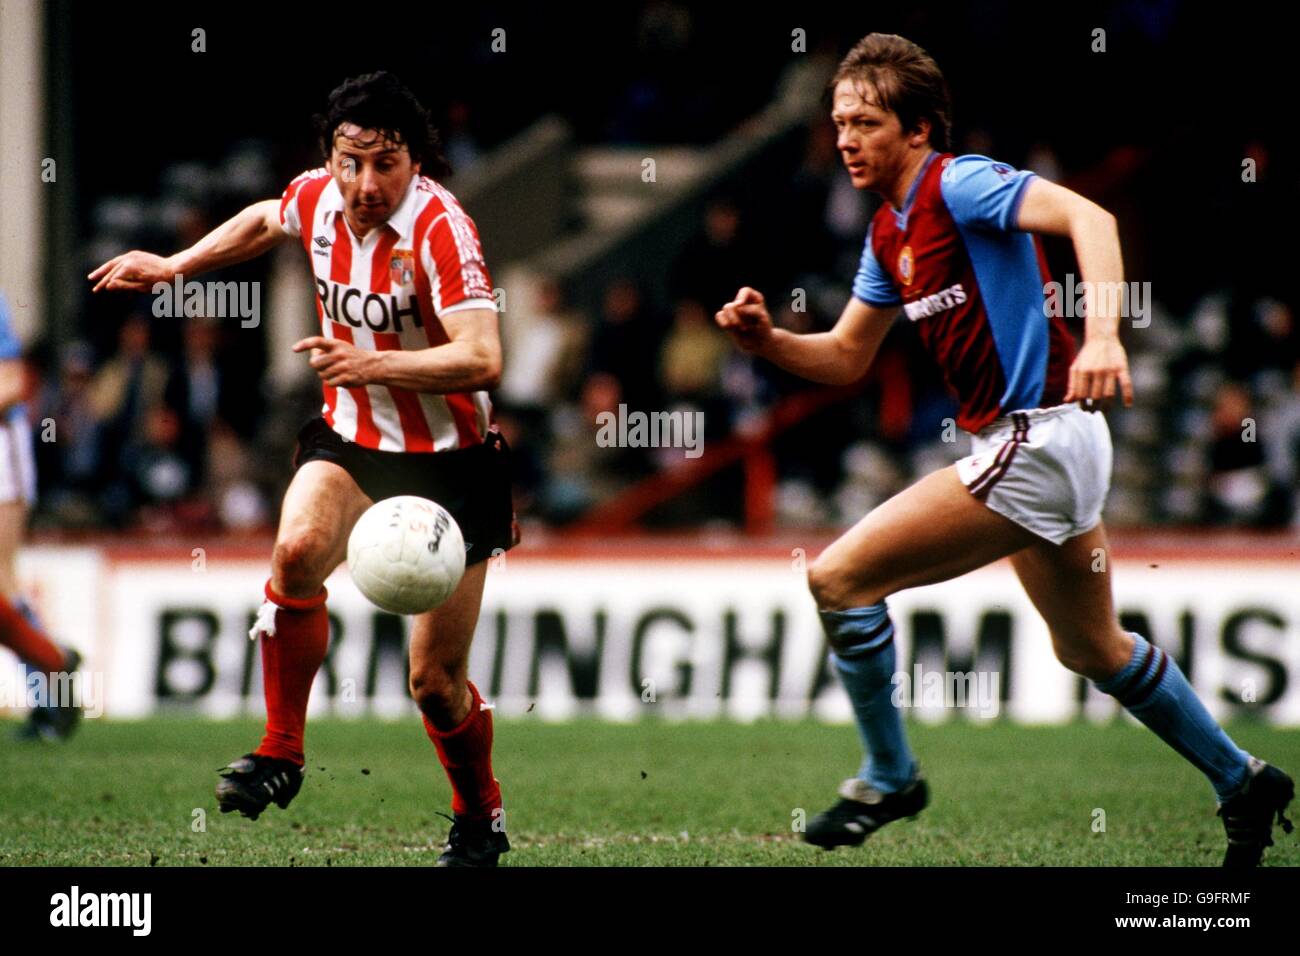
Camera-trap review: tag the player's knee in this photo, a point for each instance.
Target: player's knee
(296, 564)
(833, 587)
(1087, 655)
(437, 692)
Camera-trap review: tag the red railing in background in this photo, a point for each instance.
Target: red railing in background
(752, 448)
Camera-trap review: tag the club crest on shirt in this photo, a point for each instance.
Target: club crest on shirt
(402, 267)
(906, 265)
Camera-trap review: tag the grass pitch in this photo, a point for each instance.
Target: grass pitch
(588, 793)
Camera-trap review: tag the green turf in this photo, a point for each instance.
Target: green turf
(591, 793)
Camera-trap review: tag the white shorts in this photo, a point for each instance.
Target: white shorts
(17, 466)
(1047, 469)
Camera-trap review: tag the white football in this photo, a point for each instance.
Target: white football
(406, 554)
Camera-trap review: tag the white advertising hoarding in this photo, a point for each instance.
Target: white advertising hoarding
(688, 636)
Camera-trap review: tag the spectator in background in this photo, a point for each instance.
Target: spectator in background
(1240, 491)
(691, 360)
(661, 101)
(459, 145)
(691, 364)
(196, 390)
(626, 339)
(1263, 339)
(228, 487)
(1281, 430)
(546, 347)
(71, 467)
(124, 391)
(156, 473)
(822, 229)
(715, 263)
(579, 471)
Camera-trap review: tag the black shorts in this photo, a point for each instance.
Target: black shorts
(472, 483)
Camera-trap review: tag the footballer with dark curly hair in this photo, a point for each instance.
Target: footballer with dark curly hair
(408, 348)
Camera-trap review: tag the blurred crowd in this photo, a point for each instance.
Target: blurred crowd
(148, 439)
(165, 424)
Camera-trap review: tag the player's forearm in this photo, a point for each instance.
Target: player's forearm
(458, 366)
(244, 236)
(1095, 234)
(819, 356)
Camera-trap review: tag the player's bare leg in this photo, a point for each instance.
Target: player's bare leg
(22, 633)
(930, 532)
(933, 531)
(13, 521)
(18, 631)
(1070, 586)
(320, 507)
(458, 722)
(440, 642)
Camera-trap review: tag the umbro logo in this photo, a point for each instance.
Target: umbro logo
(322, 242)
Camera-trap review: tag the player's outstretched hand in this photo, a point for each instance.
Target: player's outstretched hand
(133, 271)
(338, 363)
(1100, 366)
(746, 320)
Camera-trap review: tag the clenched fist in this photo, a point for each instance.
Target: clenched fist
(746, 320)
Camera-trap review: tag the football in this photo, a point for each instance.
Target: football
(406, 554)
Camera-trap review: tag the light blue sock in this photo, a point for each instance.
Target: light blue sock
(862, 639)
(1153, 689)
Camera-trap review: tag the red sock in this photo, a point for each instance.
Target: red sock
(24, 639)
(290, 660)
(466, 755)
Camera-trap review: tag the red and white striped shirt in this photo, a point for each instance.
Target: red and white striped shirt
(389, 291)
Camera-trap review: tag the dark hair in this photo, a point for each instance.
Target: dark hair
(382, 102)
(905, 80)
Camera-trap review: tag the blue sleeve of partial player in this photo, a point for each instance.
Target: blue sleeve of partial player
(982, 193)
(10, 347)
(872, 284)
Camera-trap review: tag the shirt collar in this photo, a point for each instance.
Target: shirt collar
(901, 215)
(400, 221)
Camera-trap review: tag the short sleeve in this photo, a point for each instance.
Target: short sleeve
(290, 216)
(10, 347)
(452, 256)
(872, 284)
(982, 193)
